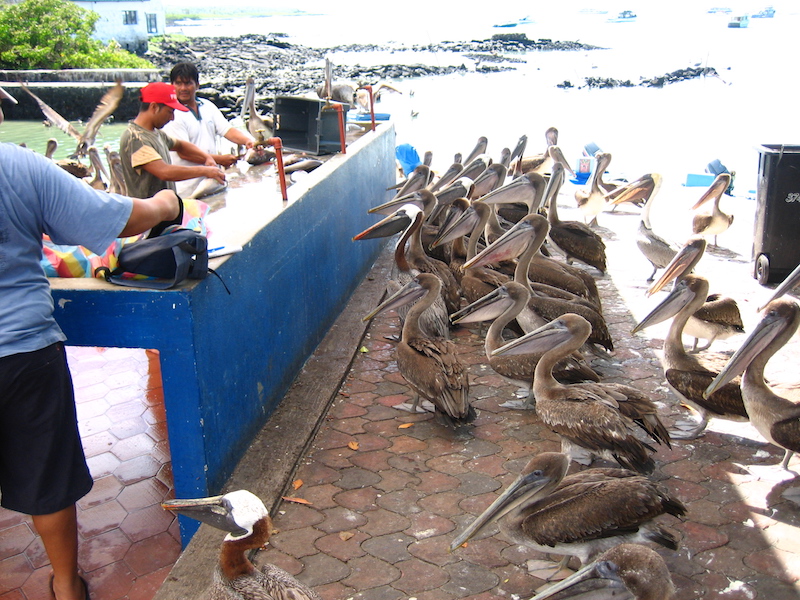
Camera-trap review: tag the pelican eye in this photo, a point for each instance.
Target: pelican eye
(537, 473)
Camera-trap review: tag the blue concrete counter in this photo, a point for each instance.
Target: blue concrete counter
(227, 360)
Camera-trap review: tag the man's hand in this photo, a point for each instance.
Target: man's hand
(216, 173)
(226, 160)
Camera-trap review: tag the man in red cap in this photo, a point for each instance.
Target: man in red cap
(144, 148)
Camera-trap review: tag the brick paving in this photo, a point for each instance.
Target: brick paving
(382, 492)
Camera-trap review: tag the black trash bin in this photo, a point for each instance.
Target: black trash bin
(776, 240)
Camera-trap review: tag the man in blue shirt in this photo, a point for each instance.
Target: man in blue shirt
(43, 470)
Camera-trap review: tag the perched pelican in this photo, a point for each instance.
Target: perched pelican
(518, 150)
(116, 177)
(625, 572)
(534, 161)
(447, 177)
(591, 199)
(492, 178)
(583, 514)
(476, 166)
(543, 164)
(50, 148)
(655, 248)
(774, 411)
(419, 178)
(688, 374)
(716, 222)
(261, 129)
(575, 239)
(501, 306)
(98, 182)
(480, 148)
(105, 108)
(598, 418)
(429, 365)
(718, 317)
(249, 526)
(338, 92)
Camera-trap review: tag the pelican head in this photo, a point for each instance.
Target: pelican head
(681, 264)
(513, 242)
(422, 198)
(779, 321)
(787, 285)
(569, 327)
(522, 189)
(235, 512)
(409, 293)
(632, 567)
(488, 308)
(685, 291)
(540, 476)
(643, 188)
(396, 222)
(457, 224)
(715, 190)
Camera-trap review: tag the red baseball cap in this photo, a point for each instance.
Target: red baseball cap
(162, 93)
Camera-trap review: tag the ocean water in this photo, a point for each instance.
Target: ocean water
(674, 130)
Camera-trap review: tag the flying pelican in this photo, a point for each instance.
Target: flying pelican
(429, 365)
(591, 199)
(598, 418)
(716, 222)
(774, 411)
(718, 317)
(655, 248)
(249, 526)
(688, 374)
(575, 239)
(105, 108)
(501, 306)
(625, 572)
(583, 514)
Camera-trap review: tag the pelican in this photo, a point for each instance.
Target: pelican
(543, 164)
(338, 93)
(117, 184)
(687, 374)
(655, 248)
(429, 365)
(786, 286)
(519, 149)
(598, 418)
(105, 108)
(434, 321)
(625, 572)
(716, 222)
(249, 526)
(50, 148)
(583, 514)
(575, 239)
(501, 306)
(260, 129)
(591, 199)
(476, 166)
(774, 411)
(718, 317)
(480, 148)
(98, 182)
(447, 177)
(419, 178)
(534, 161)
(489, 180)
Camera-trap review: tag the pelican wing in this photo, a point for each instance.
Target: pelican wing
(52, 116)
(105, 108)
(787, 432)
(270, 583)
(720, 309)
(726, 401)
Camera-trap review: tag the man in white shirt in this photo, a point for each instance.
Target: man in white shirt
(203, 124)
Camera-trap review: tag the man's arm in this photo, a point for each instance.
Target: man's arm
(149, 212)
(168, 172)
(191, 152)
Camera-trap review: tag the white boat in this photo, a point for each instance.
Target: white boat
(626, 16)
(739, 21)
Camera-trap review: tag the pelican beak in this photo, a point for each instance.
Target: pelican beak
(522, 143)
(519, 190)
(537, 341)
(508, 246)
(387, 207)
(4, 95)
(717, 188)
(448, 177)
(463, 225)
(557, 155)
(669, 307)
(603, 569)
(761, 337)
(787, 285)
(396, 222)
(488, 308)
(641, 189)
(409, 293)
(214, 511)
(523, 487)
(461, 188)
(682, 263)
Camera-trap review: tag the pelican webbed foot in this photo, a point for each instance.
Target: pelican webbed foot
(416, 406)
(688, 429)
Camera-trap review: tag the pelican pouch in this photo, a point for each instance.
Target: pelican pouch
(161, 262)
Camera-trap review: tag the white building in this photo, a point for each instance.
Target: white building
(129, 22)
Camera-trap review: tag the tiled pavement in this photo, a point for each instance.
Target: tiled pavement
(382, 491)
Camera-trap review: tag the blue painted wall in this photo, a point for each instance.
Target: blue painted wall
(227, 360)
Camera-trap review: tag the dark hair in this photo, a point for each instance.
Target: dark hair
(184, 70)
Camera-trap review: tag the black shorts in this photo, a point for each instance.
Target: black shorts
(42, 465)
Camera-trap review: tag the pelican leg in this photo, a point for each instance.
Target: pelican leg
(690, 430)
(652, 277)
(786, 458)
(562, 564)
(695, 349)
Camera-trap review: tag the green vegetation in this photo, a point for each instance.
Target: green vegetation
(56, 34)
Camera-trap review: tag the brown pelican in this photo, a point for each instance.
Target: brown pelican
(249, 526)
(716, 222)
(591, 199)
(543, 164)
(774, 411)
(50, 148)
(534, 161)
(787, 285)
(501, 306)
(447, 177)
(519, 149)
(719, 317)
(419, 178)
(339, 92)
(98, 182)
(625, 572)
(492, 178)
(434, 321)
(583, 514)
(105, 108)
(655, 248)
(575, 239)
(480, 148)
(261, 129)
(429, 365)
(116, 178)
(687, 374)
(598, 418)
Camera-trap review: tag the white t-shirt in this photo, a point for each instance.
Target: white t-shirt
(202, 130)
